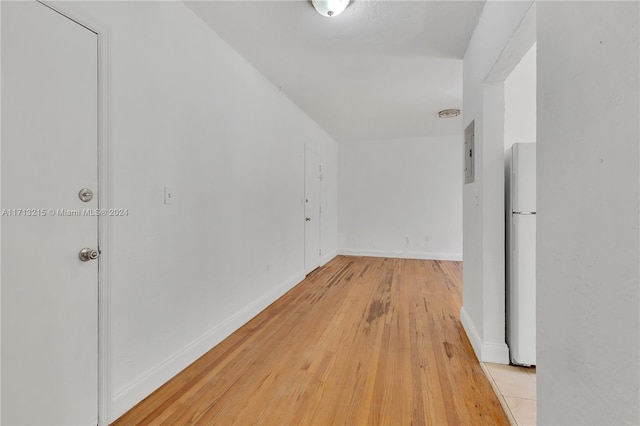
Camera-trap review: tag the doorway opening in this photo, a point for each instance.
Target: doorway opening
(509, 119)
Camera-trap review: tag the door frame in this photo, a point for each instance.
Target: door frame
(307, 149)
(104, 202)
(489, 134)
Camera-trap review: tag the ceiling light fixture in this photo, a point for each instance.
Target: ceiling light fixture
(330, 8)
(449, 113)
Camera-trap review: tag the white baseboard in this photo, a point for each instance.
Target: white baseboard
(328, 257)
(403, 255)
(155, 377)
(472, 333)
(497, 353)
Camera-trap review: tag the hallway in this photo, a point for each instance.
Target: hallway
(360, 341)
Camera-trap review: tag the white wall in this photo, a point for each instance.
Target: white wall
(190, 113)
(485, 68)
(520, 102)
(588, 225)
(401, 198)
(0, 197)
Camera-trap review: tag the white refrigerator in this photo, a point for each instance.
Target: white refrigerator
(521, 254)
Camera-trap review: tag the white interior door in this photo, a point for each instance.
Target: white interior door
(49, 300)
(312, 181)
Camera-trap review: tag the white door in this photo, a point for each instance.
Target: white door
(49, 297)
(312, 178)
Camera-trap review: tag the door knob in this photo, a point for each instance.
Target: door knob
(87, 254)
(307, 219)
(85, 194)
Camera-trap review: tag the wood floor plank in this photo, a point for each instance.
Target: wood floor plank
(361, 341)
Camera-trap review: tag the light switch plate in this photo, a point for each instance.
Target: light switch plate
(169, 195)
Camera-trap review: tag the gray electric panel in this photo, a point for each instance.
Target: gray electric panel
(469, 147)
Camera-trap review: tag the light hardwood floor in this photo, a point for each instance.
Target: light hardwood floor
(361, 341)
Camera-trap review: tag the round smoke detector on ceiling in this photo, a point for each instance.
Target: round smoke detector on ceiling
(449, 113)
(330, 8)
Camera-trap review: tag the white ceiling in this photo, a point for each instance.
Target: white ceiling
(380, 70)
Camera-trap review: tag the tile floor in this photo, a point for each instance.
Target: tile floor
(516, 389)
